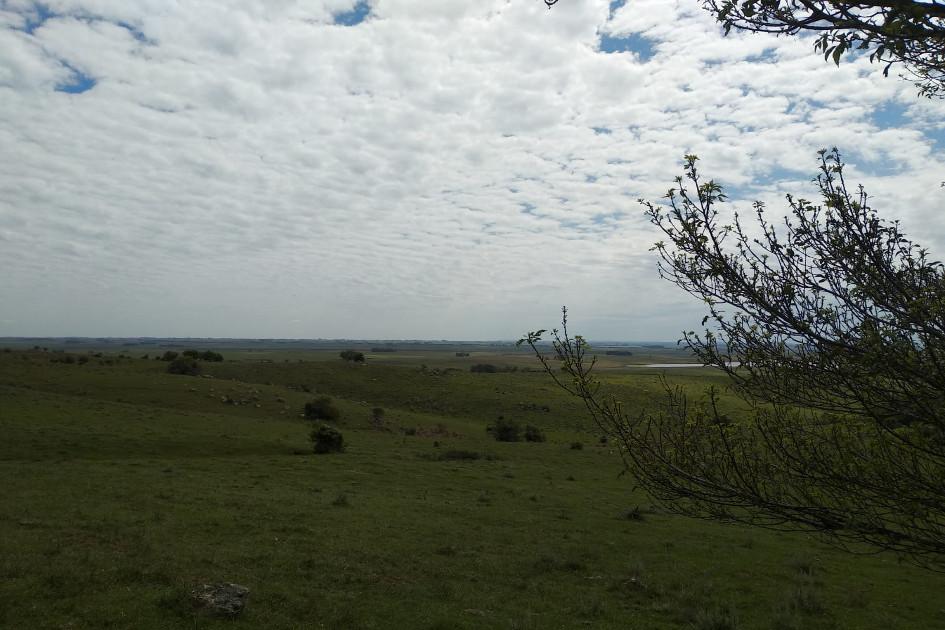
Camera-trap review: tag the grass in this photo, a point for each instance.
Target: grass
(125, 487)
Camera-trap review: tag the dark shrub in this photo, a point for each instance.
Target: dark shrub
(507, 430)
(68, 359)
(577, 446)
(183, 365)
(462, 354)
(351, 355)
(377, 416)
(322, 409)
(210, 355)
(193, 354)
(487, 368)
(170, 355)
(534, 434)
(327, 439)
(83, 360)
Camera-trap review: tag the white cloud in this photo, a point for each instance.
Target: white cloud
(252, 169)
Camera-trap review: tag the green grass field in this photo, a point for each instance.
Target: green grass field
(125, 487)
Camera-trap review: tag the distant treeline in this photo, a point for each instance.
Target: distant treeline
(619, 353)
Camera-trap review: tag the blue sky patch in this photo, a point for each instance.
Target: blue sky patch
(37, 17)
(355, 16)
(78, 83)
(632, 42)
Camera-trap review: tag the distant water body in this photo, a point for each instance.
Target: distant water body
(680, 365)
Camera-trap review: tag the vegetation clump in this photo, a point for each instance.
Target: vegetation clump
(352, 355)
(322, 409)
(169, 355)
(534, 434)
(486, 368)
(506, 430)
(207, 355)
(327, 439)
(184, 365)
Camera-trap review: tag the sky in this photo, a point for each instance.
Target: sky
(388, 169)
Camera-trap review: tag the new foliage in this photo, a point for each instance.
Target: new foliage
(836, 324)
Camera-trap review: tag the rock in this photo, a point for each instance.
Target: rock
(222, 599)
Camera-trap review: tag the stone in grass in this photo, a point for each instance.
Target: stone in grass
(224, 599)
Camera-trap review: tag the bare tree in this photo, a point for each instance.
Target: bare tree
(831, 326)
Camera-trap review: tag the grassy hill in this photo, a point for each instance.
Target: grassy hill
(125, 487)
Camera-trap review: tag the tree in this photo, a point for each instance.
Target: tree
(831, 327)
(184, 365)
(353, 356)
(910, 33)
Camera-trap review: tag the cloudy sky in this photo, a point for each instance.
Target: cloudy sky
(403, 168)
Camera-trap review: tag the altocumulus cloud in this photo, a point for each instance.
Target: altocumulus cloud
(401, 168)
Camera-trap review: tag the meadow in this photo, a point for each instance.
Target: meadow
(125, 487)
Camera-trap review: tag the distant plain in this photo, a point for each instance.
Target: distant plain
(124, 487)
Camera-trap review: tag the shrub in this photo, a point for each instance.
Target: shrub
(577, 446)
(210, 355)
(170, 355)
(193, 354)
(83, 360)
(322, 409)
(487, 368)
(506, 430)
(377, 416)
(462, 354)
(327, 439)
(183, 365)
(534, 434)
(353, 356)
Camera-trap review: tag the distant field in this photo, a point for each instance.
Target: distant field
(124, 487)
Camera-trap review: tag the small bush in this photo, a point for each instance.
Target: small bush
(183, 365)
(462, 354)
(322, 409)
(170, 355)
(193, 354)
(327, 439)
(353, 356)
(377, 416)
(534, 434)
(83, 360)
(210, 355)
(486, 368)
(506, 430)
(577, 446)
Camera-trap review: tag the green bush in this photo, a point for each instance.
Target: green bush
(351, 355)
(506, 430)
(577, 446)
(534, 434)
(487, 368)
(210, 355)
(327, 439)
(183, 365)
(170, 355)
(322, 409)
(193, 354)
